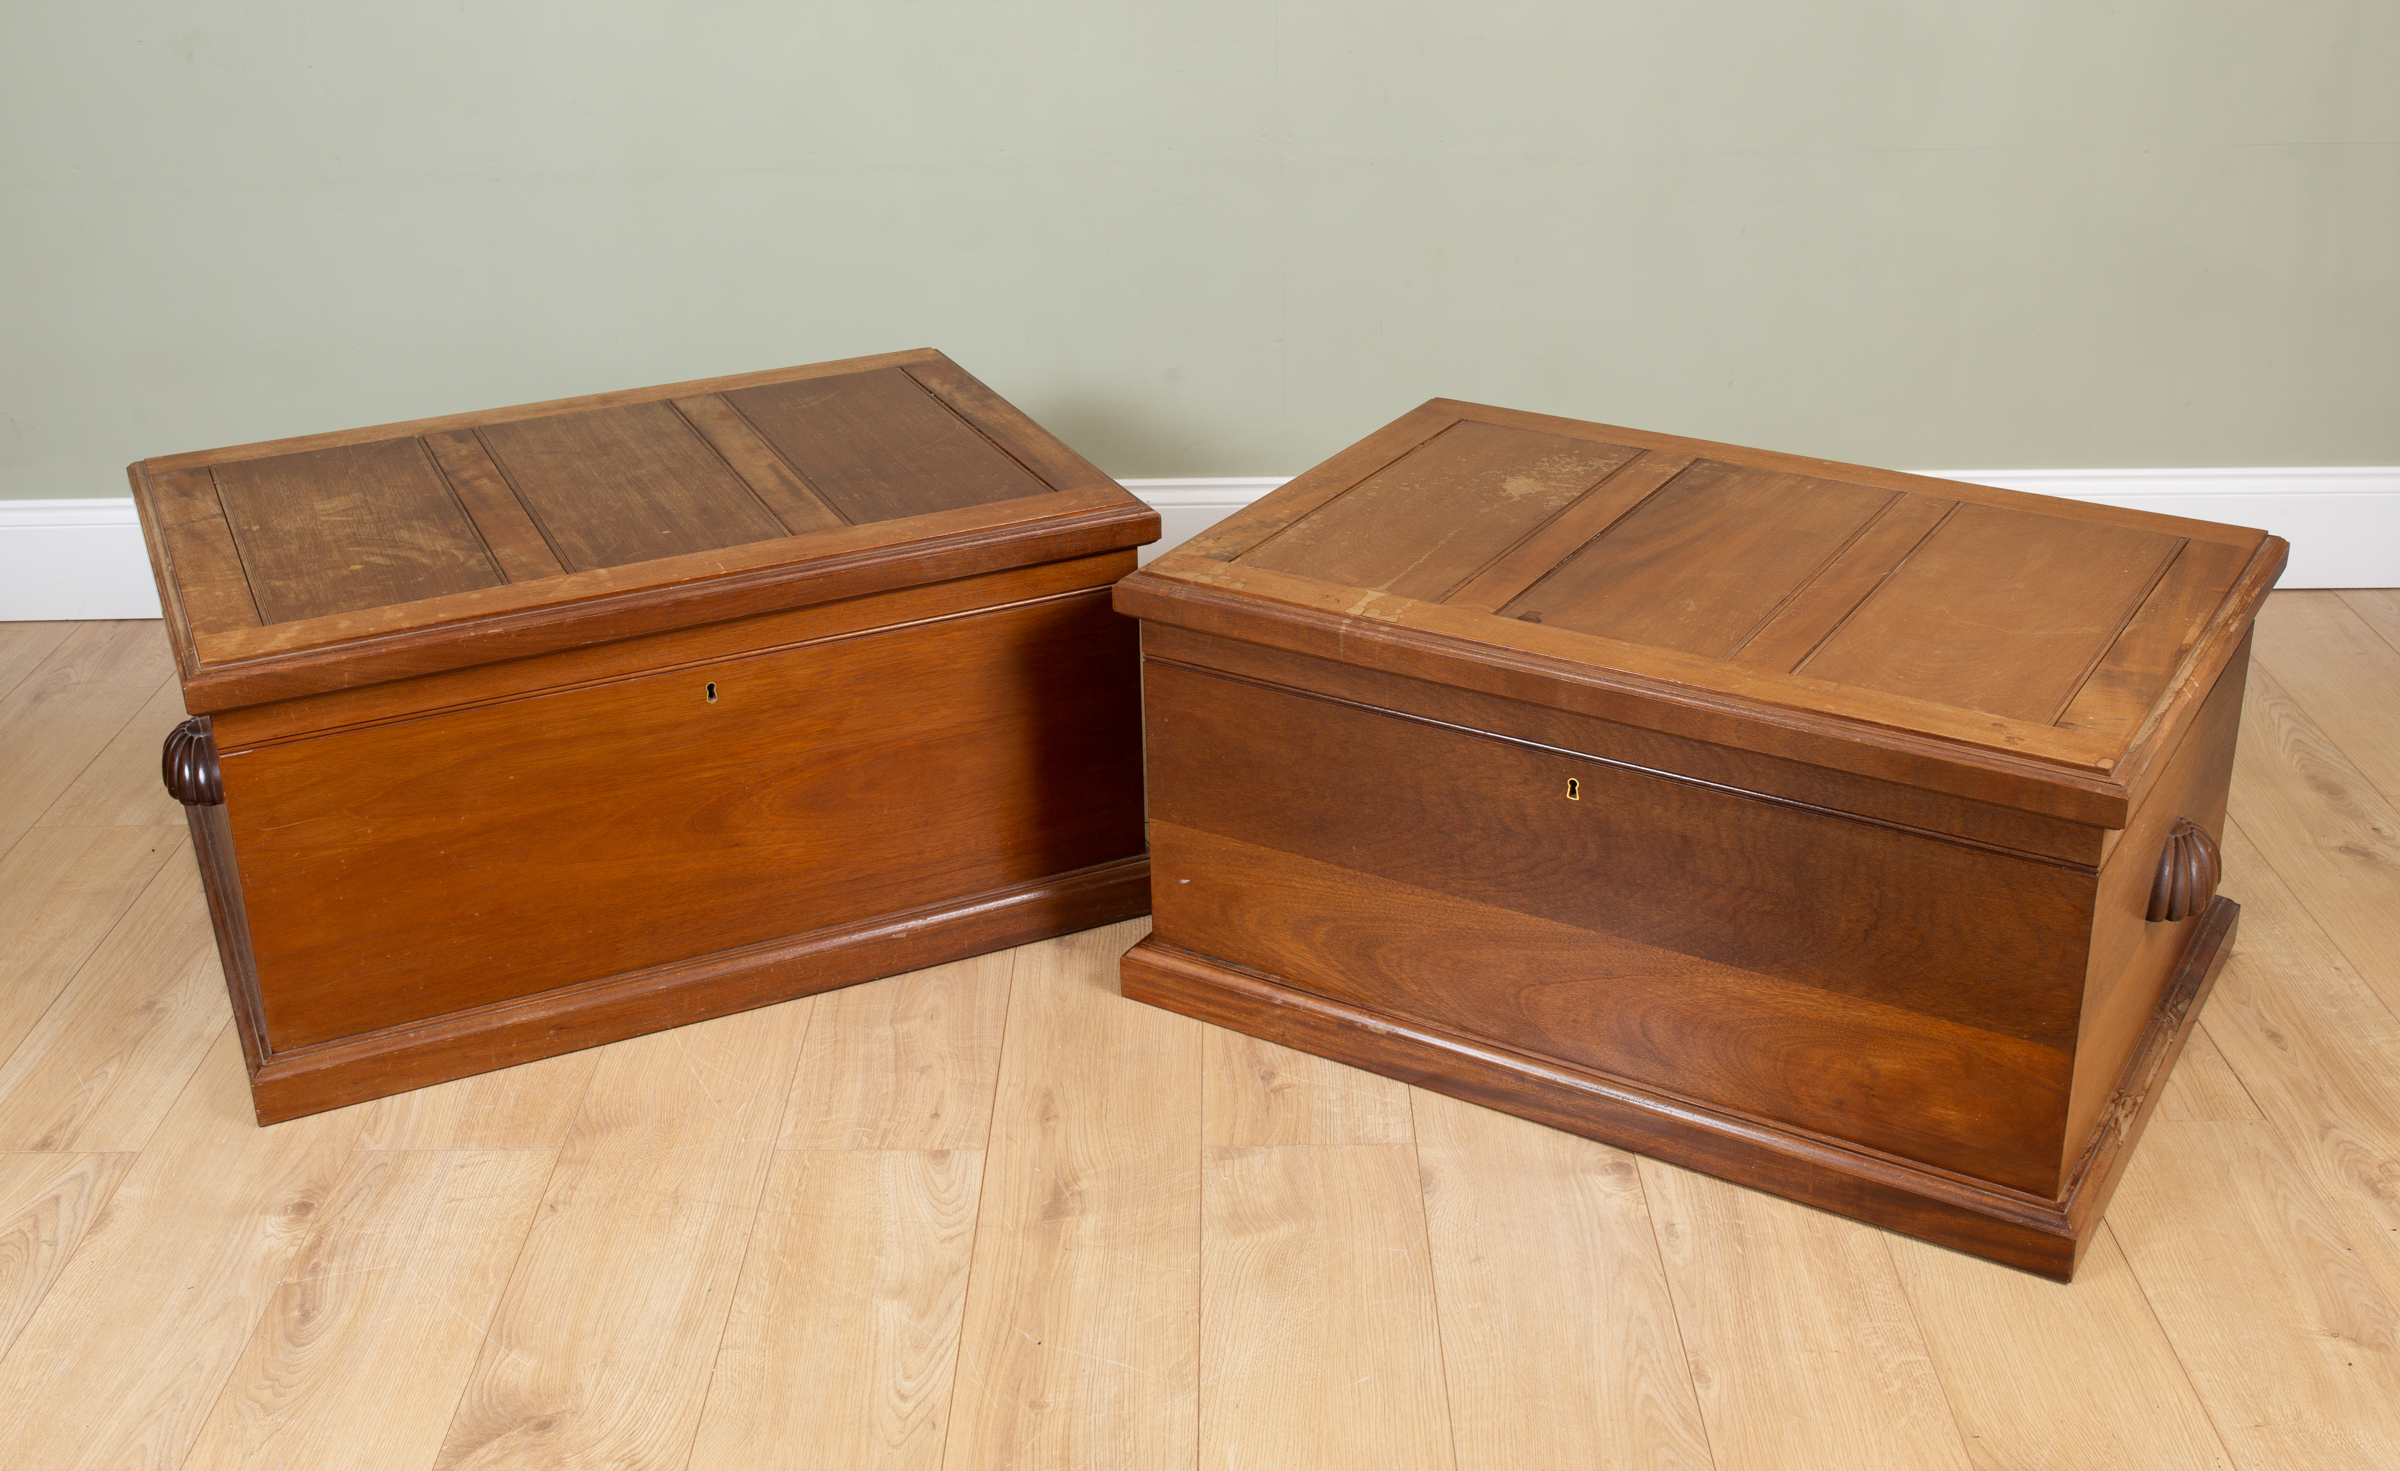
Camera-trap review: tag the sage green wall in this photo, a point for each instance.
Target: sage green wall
(1220, 238)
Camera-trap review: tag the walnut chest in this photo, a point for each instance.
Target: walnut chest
(1844, 833)
(527, 730)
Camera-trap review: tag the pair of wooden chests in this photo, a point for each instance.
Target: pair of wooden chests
(1843, 833)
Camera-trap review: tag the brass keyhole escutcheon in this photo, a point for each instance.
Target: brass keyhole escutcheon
(712, 692)
(1574, 789)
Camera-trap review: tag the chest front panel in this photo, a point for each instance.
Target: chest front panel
(415, 868)
(1859, 979)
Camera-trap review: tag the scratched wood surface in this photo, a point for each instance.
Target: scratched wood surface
(994, 1215)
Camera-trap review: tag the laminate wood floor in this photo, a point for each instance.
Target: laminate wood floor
(992, 1215)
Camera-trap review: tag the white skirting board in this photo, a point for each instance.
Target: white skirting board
(83, 558)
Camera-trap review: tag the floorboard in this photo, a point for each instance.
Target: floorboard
(990, 1214)
(68, 709)
(1803, 1347)
(1558, 1335)
(600, 1350)
(123, 1359)
(843, 1340)
(422, 1238)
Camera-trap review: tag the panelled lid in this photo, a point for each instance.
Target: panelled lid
(327, 562)
(2018, 649)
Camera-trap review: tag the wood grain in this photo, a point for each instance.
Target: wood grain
(2006, 1226)
(23, 647)
(287, 1085)
(1255, 1092)
(2020, 1360)
(2034, 768)
(1423, 525)
(2323, 826)
(1792, 631)
(108, 1058)
(62, 890)
(203, 583)
(844, 1332)
(1634, 625)
(777, 485)
(508, 530)
(1902, 804)
(1081, 1343)
(2299, 1024)
(908, 1062)
(1704, 561)
(1781, 1305)
(847, 762)
(2336, 666)
(877, 447)
(371, 704)
(347, 651)
(2380, 607)
(121, 787)
(1531, 1232)
(2295, 1348)
(65, 713)
(1305, 493)
(48, 1204)
(529, 1106)
(1999, 612)
(622, 485)
(614, 516)
(600, 1349)
(1005, 425)
(334, 531)
(2133, 961)
(424, 1238)
(1791, 890)
(1589, 516)
(155, 1307)
(2162, 633)
(2203, 1086)
(1319, 1344)
(2319, 1052)
(1892, 1079)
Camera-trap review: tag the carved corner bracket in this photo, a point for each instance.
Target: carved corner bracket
(188, 765)
(2187, 874)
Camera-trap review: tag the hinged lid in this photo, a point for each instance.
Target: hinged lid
(2037, 653)
(337, 560)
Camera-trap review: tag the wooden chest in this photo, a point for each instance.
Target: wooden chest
(1844, 833)
(528, 730)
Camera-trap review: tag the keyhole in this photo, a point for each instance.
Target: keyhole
(712, 692)
(1574, 789)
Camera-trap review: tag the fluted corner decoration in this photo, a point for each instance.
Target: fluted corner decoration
(189, 765)
(2187, 874)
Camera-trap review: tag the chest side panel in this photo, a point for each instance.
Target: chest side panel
(2134, 958)
(1684, 936)
(1422, 525)
(876, 446)
(411, 870)
(361, 526)
(627, 484)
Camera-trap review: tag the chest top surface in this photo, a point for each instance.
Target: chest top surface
(443, 542)
(2041, 650)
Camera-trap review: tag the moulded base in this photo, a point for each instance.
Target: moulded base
(2000, 1224)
